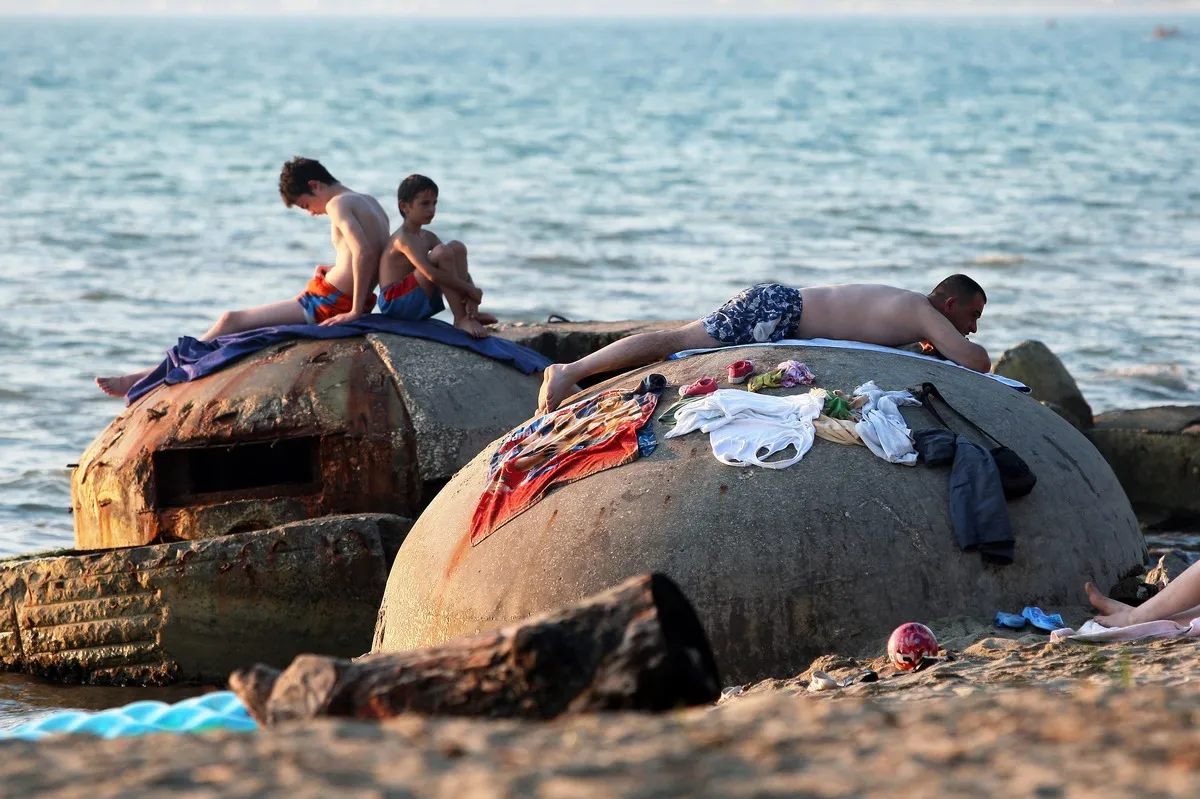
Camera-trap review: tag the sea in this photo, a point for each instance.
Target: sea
(596, 169)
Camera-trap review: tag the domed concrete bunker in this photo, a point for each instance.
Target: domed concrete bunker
(303, 429)
(781, 565)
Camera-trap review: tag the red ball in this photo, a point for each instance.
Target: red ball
(910, 644)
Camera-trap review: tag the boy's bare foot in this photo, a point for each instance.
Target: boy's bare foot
(556, 387)
(1113, 613)
(485, 318)
(118, 386)
(472, 328)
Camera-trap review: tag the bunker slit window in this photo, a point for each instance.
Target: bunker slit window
(254, 469)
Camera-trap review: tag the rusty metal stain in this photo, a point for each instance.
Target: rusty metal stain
(339, 392)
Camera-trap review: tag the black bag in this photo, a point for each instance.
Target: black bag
(1015, 475)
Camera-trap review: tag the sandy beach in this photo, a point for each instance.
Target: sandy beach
(1010, 715)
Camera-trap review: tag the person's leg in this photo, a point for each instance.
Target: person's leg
(1180, 598)
(445, 257)
(560, 378)
(286, 312)
(119, 386)
(463, 270)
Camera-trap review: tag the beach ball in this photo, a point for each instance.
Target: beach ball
(910, 644)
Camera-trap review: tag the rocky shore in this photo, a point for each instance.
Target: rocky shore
(1011, 715)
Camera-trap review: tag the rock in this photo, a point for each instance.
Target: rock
(1155, 453)
(1071, 418)
(780, 565)
(1132, 590)
(300, 430)
(1036, 366)
(193, 611)
(1170, 566)
(637, 646)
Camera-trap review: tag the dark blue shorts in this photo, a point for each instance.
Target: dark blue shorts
(766, 312)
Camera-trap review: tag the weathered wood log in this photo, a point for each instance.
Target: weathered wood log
(637, 646)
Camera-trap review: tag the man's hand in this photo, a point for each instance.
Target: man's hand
(349, 316)
(322, 270)
(475, 295)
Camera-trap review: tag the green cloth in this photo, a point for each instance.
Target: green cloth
(668, 416)
(836, 407)
(771, 379)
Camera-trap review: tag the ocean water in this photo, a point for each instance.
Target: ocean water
(601, 170)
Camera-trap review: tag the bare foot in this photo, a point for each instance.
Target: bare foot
(485, 318)
(472, 328)
(118, 386)
(556, 387)
(1113, 613)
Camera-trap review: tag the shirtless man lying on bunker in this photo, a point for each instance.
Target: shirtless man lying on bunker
(866, 312)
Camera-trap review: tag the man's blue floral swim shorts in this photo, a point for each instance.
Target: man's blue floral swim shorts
(766, 312)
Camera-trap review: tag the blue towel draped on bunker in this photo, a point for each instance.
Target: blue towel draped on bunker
(192, 358)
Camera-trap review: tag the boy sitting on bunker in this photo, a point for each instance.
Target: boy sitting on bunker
(335, 294)
(417, 268)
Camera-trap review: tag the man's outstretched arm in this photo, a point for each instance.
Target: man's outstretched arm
(952, 344)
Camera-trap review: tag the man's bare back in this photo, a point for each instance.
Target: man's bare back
(887, 316)
(865, 312)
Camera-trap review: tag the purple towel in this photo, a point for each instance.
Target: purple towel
(191, 358)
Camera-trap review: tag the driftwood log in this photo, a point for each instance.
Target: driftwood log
(637, 646)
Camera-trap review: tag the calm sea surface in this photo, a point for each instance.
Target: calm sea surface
(598, 170)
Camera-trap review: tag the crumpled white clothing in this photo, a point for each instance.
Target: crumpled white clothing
(1098, 633)
(882, 428)
(744, 428)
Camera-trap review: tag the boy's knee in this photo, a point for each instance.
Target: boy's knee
(458, 248)
(229, 318)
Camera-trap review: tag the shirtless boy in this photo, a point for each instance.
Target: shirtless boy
(336, 294)
(417, 268)
(866, 312)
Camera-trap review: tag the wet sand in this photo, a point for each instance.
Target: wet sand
(1010, 715)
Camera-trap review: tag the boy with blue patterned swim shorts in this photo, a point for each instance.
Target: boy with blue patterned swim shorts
(417, 269)
(770, 312)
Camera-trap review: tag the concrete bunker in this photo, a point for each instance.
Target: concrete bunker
(304, 429)
(781, 566)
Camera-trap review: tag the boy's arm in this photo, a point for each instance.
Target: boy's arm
(364, 261)
(949, 343)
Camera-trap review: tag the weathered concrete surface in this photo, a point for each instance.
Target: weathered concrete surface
(569, 341)
(780, 565)
(1155, 453)
(194, 611)
(1033, 363)
(301, 430)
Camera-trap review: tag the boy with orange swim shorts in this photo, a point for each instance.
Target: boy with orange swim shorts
(337, 293)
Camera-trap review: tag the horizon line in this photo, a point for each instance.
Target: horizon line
(1074, 12)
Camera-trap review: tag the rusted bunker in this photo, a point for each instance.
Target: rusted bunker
(253, 514)
(304, 429)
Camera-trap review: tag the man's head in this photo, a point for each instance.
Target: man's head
(960, 299)
(418, 196)
(305, 183)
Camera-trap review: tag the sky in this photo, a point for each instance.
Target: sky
(608, 8)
